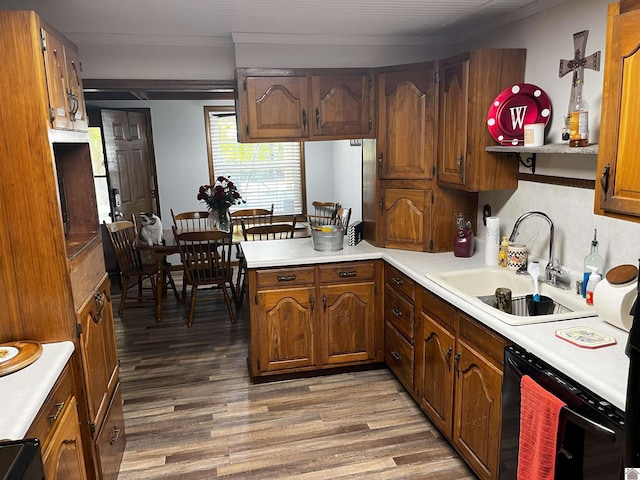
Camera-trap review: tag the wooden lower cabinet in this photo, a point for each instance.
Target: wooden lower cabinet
(63, 458)
(316, 317)
(58, 427)
(110, 441)
(459, 381)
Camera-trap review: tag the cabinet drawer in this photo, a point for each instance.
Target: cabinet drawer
(486, 341)
(399, 281)
(49, 415)
(286, 277)
(111, 440)
(398, 354)
(434, 306)
(347, 272)
(399, 312)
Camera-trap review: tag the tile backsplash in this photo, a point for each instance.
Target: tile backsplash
(571, 210)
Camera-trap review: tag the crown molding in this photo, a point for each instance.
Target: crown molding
(163, 40)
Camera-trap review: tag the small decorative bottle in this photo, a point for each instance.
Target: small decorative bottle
(503, 252)
(579, 120)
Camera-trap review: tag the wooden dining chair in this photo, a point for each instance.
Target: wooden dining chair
(276, 231)
(206, 257)
(325, 209)
(122, 236)
(343, 215)
(251, 217)
(191, 221)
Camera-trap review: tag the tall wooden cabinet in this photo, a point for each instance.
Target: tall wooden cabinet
(304, 104)
(403, 205)
(618, 192)
(467, 85)
(53, 284)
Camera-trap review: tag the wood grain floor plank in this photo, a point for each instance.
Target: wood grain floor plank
(191, 412)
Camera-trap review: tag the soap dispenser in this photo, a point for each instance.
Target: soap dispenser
(592, 263)
(463, 240)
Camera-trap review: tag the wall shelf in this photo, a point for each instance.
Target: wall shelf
(552, 148)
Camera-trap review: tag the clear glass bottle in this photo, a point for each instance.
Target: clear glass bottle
(579, 118)
(593, 263)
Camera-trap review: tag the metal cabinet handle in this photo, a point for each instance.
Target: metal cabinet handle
(461, 166)
(456, 360)
(396, 312)
(317, 119)
(397, 280)
(604, 180)
(99, 299)
(286, 278)
(304, 119)
(448, 356)
(324, 303)
(352, 273)
(380, 158)
(312, 301)
(59, 408)
(115, 436)
(396, 355)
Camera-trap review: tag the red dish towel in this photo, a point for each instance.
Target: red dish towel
(539, 422)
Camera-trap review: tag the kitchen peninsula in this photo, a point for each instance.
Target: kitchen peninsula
(603, 370)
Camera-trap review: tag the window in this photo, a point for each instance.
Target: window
(265, 173)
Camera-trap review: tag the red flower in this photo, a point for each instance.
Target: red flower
(221, 195)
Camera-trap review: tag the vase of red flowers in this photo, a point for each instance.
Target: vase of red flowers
(219, 197)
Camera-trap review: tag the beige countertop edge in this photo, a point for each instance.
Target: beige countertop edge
(603, 370)
(23, 393)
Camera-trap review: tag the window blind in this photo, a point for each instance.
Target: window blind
(265, 173)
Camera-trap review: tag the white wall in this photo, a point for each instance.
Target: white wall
(548, 37)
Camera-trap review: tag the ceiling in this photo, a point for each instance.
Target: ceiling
(225, 22)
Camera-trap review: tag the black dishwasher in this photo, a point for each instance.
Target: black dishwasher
(592, 444)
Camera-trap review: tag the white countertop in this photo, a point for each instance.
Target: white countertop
(24, 391)
(602, 370)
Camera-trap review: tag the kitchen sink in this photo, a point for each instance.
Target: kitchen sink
(478, 285)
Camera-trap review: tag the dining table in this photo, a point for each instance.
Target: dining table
(168, 247)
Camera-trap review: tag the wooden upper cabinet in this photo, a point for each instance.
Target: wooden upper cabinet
(406, 122)
(341, 104)
(275, 108)
(300, 104)
(64, 82)
(406, 217)
(468, 83)
(618, 163)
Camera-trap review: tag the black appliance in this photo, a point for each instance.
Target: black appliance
(632, 436)
(21, 460)
(592, 444)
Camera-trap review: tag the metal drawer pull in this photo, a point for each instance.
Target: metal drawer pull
(115, 436)
(396, 355)
(59, 407)
(352, 273)
(397, 280)
(286, 278)
(396, 312)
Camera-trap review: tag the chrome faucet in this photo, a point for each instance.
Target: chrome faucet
(553, 271)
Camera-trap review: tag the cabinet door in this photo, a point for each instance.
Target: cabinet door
(55, 70)
(286, 329)
(342, 105)
(63, 458)
(98, 351)
(453, 122)
(276, 108)
(111, 439)
(348, 323)
(406, 218)
(435, 383)
(618, 161)
(406, 123)
(75, 94)
(477, 417)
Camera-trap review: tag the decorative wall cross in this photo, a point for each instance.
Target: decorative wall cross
(577, 65)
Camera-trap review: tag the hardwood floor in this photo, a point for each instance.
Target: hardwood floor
(191, 412)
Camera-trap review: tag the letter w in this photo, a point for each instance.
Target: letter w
(517, 116)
